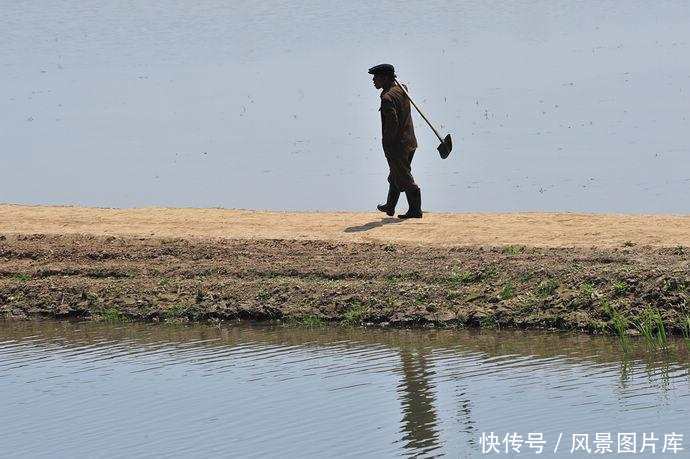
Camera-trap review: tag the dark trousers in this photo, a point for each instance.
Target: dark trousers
(400, 169)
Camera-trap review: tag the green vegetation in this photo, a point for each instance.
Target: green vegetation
(392, 279)
(470, 277)
(507, 292)
(263, 295)
(547, 287)
(354, 315)
(686, 331)
(488, 321)
(113, 315)
(651, 327)
(22, 277)
(620, 288)
(587, 289)
(464, 277)
(513, 249)
(174, 312)
(619, 323)
(310, 320)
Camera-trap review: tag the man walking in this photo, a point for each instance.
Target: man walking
(399, 142)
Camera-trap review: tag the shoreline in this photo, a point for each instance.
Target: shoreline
(152, 279)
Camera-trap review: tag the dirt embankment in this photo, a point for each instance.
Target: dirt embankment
(164, 279)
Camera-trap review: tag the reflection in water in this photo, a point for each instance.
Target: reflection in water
(417, 398)
(135, 390)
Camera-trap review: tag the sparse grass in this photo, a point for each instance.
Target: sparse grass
(619, 323)
(620, 288)
(513, 249)
(464, 277)
(392, 279)
(628, 244)
(310, 320)
(673, 284)
(113, 315)
(489, 272)
(453, 294)
(651, 327)
(263, 295)
(174, 312)
(354, 315)
(686, 331)
(526, 276)
(422, 298)
(507, 292)
(547, 287)
(22, 277)
(587, 289)
(164, 282)
(488, 321)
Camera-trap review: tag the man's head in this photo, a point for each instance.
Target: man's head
(384, 75)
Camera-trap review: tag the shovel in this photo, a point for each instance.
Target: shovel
(446, 144)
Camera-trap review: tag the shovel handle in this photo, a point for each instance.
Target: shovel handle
(420, 111)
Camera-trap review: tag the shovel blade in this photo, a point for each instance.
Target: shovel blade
(445, 147)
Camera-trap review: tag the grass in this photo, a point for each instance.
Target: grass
(686, 331)
(263, 295)
(587, 289)
(513, 249)
(651, 327)
(547, 287)
(393, 279)
(354, 315)
(470, 277)
(619, 323)
(22, 277)
(464, 277)
(310, 320)
(620, 288)
(174, 312)
(507, 292)
(113, 315)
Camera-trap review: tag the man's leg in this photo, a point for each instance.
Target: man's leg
(393, 192)
(391, 200)
(407, 184)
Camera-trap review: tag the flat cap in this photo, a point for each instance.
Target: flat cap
(382, 68)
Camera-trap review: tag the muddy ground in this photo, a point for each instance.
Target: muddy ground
(146, 279)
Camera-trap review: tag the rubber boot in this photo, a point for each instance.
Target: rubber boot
(391, 202)
(414, 199)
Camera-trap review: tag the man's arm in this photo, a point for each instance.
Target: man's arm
(389, 118)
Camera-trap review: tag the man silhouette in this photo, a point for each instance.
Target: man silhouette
(399, 142)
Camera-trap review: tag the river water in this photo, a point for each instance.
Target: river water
(553, 105)
(132, 390)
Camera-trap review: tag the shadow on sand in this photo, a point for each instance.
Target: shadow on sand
(372, 225)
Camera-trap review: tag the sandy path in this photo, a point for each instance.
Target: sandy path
(531, 229)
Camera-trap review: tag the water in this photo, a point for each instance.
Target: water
(553, 105)
(98, 390)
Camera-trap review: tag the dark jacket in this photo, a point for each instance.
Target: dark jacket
(396, 121)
